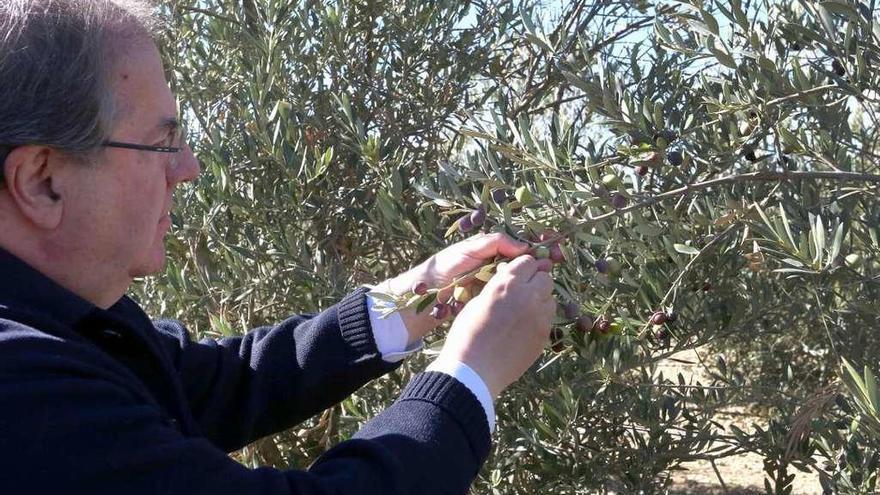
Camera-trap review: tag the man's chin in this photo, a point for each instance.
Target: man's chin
(155, 265)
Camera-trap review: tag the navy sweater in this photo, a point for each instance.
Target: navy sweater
(99, 401)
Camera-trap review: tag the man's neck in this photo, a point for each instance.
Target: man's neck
(56, 263)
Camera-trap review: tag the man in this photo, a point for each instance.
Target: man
(97, 398)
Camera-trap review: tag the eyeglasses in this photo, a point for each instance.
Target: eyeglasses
(180, 133)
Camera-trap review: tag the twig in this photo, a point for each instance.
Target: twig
(718, 474)
(806, 92)
(732, 179)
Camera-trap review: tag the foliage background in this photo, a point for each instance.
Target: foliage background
(340, 140)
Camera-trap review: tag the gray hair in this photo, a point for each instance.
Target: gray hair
(55, 59)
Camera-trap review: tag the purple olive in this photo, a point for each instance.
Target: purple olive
(464, 224)
(675, 158)
(499, 196)
(602, 266)
(440, 311)
(556, 254)
(585, 323)
(603, 325)
(478, 216)
(658, 318)
(619, 201)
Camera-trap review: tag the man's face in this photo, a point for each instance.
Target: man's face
(119, 216)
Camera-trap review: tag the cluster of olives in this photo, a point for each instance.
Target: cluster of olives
(617, 200)
(473, 219)
(661, 319)
(553, 251)
(583, 324)
(522, 195)
(460, 296)
(653, 159)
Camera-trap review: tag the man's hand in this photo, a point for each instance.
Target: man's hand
(440, 269)
(504, 329)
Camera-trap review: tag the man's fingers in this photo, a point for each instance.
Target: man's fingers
(526, 266)
(487, 246)
(543, 283)
(523, 267)
(545, 265)
(509, 247)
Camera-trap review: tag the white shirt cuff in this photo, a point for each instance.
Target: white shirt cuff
(390, 335)
(470, 379)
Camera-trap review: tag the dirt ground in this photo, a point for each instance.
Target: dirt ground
(740, 474)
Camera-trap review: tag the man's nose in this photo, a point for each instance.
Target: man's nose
(188, 167)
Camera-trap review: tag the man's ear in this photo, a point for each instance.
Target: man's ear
(28, 179)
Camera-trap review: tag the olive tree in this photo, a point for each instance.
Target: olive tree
(703, 171)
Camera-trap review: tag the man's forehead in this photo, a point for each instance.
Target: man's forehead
(143, 96)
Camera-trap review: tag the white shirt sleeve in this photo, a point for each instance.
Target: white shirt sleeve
(391, 336)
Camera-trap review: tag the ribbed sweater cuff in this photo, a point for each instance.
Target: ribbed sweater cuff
(354, 323)
(456, 400)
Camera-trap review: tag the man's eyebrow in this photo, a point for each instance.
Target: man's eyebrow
(169, 123)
